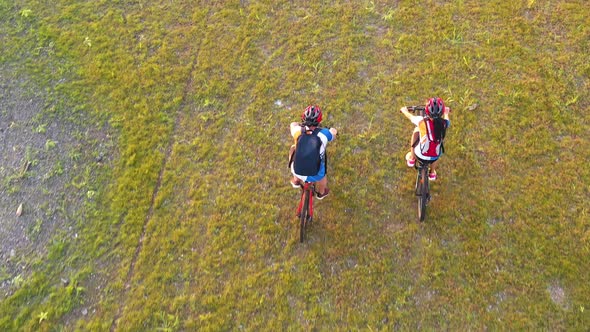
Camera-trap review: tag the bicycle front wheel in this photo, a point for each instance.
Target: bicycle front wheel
(422, 200)
(304, 214)
(423, 193)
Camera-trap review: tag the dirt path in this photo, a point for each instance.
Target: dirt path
(39, 157)
(19, 149)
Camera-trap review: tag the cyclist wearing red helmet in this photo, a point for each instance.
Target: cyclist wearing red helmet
(429, 133)
(307, 158)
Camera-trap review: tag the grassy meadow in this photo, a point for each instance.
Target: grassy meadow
(188, 222)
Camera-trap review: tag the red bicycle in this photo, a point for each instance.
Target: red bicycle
(305, 208)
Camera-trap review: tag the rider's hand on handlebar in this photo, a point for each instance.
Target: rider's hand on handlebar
(403, 109)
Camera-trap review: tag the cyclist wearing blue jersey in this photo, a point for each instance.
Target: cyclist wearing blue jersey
(307, 158)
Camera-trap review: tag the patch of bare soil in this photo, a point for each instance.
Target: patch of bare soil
(558, 295)
(21, 171)
(44, 153)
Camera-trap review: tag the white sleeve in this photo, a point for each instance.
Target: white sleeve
(295, 128)
(416, 119)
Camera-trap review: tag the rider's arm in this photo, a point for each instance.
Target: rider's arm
(328, 133)
(295, 131)
(334, 132)
(414, 118)
(446, 115)
(295, 128)
(404, 111)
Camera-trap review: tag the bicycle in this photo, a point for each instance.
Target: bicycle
(422, 188)
(305, 208)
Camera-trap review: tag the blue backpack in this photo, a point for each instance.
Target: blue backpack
(307, 158)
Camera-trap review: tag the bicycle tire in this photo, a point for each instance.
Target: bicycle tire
(303, 216)
(424, 192)
(418, 187)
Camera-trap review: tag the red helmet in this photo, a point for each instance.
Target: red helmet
(435, 107)
(312, 116)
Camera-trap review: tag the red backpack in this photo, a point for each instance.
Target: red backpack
(431, 147)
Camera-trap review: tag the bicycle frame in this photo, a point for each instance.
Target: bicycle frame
(305, 207)
(308, 186)
(422, 166)
(422, 186)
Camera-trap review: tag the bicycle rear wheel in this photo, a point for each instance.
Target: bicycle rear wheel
(304, 215)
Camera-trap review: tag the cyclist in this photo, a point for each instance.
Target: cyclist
(307, 158)
(428, 136)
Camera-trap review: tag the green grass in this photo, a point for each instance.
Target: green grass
(194, 211)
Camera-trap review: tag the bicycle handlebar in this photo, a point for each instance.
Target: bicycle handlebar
(416, 108)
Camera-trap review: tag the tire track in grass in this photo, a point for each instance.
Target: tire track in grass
(131, 271)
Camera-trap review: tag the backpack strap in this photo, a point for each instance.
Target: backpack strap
(314, 132)
(291, 154)
(326, 162)
(427, 124)
(325, 157)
